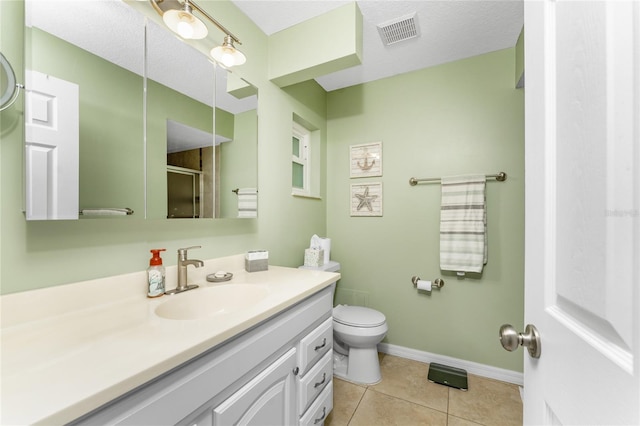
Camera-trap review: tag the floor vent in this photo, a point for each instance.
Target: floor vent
(448, 376)
(399, 29)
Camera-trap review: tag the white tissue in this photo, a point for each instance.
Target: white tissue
(320, 243)
(315, 242)
(257, 255)
(424, 285)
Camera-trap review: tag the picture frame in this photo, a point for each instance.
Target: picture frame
(366, 199)
(365, 160)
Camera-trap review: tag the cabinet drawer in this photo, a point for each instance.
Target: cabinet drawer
(314, 345)
(314, 382)
(320, 409)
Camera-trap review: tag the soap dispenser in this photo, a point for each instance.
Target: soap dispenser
(155, 275)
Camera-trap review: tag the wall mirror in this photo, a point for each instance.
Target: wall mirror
(84, 104)
(9, 89)
(197, 154)
(125, 158)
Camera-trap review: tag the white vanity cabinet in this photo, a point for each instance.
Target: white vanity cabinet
(268, 399)
(277, 373)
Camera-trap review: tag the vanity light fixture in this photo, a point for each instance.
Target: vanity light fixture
(178, 16)
(227, 54)
(184, 23)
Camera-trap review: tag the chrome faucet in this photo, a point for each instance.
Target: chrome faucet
(183, 262)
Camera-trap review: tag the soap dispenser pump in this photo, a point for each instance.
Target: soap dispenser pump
(155, 275)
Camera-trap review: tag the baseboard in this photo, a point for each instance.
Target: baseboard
(483, 370)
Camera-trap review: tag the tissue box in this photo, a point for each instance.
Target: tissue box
(313, 257)
(256, 260)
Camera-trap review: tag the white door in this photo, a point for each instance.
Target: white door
(582, 267)
(51, 147)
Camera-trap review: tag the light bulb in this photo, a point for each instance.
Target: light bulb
(185, 30)
(227, 54)
(227, 59)
(184, 23)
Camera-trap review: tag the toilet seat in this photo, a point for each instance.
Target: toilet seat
(358, 316)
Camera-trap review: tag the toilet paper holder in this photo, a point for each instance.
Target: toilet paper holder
(437, 283)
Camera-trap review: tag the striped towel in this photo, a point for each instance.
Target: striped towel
(248, 202)
(463, 224)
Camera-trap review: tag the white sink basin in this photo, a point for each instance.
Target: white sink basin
(206, 302)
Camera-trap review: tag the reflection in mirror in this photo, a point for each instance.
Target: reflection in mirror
(192, 169)
(180, 96)
(236, 146)
(97, 48)
(189, 166)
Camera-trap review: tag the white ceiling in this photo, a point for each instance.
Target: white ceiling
(449, 30)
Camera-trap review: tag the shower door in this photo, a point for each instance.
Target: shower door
(184, 192)
(582, 264)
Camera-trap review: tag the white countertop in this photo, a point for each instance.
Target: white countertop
(69, 349)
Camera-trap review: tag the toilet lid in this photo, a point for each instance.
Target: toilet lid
(358, 316)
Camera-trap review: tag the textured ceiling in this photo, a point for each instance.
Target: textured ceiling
(449, 30)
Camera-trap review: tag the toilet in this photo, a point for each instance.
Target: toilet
(356, 333)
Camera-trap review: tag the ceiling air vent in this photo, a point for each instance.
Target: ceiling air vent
(399, 29)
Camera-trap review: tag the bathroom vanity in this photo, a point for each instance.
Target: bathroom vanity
(133, 360)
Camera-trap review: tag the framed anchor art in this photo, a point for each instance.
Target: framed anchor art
(366, 161)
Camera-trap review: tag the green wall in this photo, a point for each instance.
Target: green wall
(458, 118)
(461, 117)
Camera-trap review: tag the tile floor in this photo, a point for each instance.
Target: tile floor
(405, 397)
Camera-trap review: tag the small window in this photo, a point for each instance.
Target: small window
(300, 160)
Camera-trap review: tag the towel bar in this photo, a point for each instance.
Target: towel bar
(500, 177)
(100, 211)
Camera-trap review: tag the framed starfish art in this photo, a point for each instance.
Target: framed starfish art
(365, 160)
(366, 199)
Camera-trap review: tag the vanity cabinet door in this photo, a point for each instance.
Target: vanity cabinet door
(268, 399)
(204, 419)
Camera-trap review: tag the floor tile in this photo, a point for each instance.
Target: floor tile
(487, 402)
(380, 409)
(457, 421)
(407, 379)
(346, 397)
(405, 397)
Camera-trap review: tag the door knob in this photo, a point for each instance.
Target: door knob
(530, 339)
